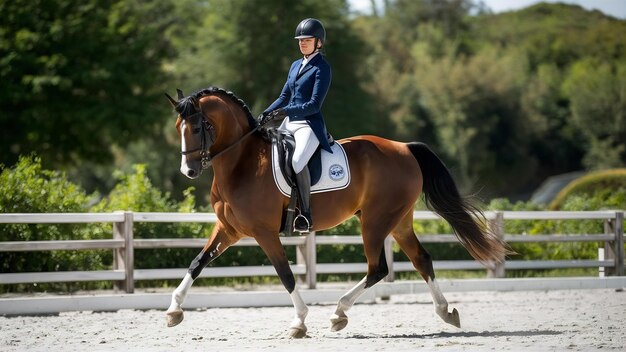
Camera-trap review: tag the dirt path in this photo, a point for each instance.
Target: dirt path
(580, 320)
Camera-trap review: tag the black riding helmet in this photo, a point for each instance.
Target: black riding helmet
(311, 28)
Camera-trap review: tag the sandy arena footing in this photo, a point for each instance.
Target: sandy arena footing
(567, 320)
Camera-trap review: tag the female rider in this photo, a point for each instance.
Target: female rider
(299, 104)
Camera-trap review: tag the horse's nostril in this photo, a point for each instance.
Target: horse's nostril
(191, 173)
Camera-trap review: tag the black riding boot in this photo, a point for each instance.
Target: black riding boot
(303, 222)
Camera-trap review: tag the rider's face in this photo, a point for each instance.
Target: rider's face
(306, 45)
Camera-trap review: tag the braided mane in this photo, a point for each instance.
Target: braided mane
(186, 107)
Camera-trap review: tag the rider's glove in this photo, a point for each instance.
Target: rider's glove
(277, 114)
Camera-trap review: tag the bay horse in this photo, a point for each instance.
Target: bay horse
(387, 179)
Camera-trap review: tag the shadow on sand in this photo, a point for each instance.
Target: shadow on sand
(459, 334)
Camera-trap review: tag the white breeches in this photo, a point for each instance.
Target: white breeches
(306, 142)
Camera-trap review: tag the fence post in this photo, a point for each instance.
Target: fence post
(614, 250)
(307, 255)
(124, 258)
(608, 253)
(389, 257)
(618, 244)
(496, 226)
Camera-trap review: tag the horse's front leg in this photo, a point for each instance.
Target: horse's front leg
(274, 250)
(218, 243)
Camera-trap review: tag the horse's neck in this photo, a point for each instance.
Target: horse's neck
(243, 163)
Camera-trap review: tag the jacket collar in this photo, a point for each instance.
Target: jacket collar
(309, 64)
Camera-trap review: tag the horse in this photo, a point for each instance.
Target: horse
(217, 128)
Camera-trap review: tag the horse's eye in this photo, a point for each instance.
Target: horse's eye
(196, 130)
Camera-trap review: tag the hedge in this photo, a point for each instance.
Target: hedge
(588, 185)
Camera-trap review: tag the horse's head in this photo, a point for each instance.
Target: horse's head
(209, 122)
(197, 135)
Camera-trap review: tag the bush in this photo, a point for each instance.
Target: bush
(606, 182)
(135, 192)
(599, 199)
(27, 188)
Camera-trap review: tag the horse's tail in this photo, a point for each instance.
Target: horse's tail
(467, 220)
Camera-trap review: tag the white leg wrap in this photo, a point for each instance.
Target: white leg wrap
(301, 311)
(441, 304)
(347, 301)
(180, 293)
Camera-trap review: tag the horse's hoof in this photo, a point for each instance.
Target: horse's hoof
(453, 318)
(296, 333)
(174, 318)
(338, 323)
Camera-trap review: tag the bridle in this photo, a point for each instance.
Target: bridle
(207, 138)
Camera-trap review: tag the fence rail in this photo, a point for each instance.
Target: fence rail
(123, 244)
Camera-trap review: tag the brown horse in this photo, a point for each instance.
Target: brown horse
(387, 179)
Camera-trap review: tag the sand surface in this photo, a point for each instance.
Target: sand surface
(576, 320)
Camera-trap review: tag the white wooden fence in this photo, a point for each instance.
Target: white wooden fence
(123, 244)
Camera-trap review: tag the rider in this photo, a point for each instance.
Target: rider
(300, 102)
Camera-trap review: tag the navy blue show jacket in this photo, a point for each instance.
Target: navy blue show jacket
(303, 95)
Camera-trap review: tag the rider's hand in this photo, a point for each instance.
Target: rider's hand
(266, 117)
(263, 118)
(278, 114)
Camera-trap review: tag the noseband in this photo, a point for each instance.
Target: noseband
(207, 138)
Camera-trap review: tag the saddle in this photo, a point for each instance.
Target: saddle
(329, 171)
(286, 144)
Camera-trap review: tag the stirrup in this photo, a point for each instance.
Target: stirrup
(301, 229)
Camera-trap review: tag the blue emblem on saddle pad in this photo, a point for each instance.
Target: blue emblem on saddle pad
(335, 173)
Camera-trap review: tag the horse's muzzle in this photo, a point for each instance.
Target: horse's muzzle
(190, 169)
(192, 173)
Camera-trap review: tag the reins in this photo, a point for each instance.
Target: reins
(207, 158)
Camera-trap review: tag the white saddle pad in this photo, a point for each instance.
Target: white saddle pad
(335, 171)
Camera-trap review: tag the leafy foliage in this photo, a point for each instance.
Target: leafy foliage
(80, 76)
(135, 192)
(598, 103)
(598, 199)
(506, 99)
(27, 188)
(604, 185)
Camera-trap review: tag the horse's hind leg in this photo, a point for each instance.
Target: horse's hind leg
(270, 243)
(404, 235)
(374, 234)
(218, 243)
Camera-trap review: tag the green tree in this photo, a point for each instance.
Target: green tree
(474, 108)
(597, 91)
(434, 25)
(80, 76)
(552, 140)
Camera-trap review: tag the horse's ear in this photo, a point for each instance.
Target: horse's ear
(172, 101)
(180, 94)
